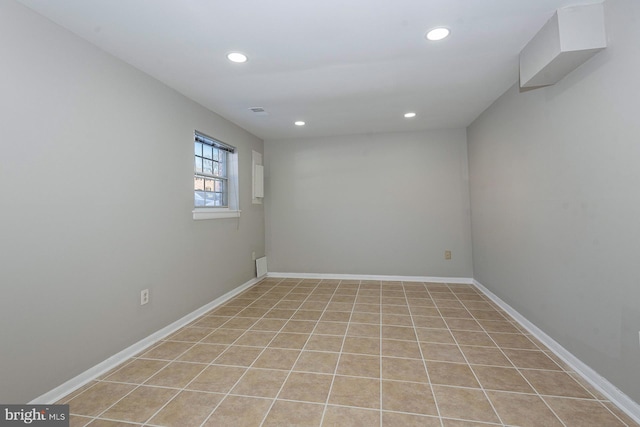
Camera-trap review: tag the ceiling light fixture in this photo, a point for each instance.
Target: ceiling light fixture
(409, 115)
(237, 57)
(299, 123)
(438, 34)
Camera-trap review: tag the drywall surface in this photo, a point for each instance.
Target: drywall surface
(555, 202)
(383, 204)
(96, 199)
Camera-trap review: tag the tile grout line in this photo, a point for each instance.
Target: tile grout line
(275, 399)
(211, 362)
(537, 393)
(207, 364)
(508, 359)
(344, 338)
(266, 346)
(424, 362)
(98, 416)
(179, 390)
(464, 356)
(585, 399)
(381, 322)
(339, 354)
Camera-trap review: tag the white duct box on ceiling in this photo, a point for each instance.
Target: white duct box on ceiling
(567, 40)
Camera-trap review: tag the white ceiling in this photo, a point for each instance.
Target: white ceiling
(343, 66)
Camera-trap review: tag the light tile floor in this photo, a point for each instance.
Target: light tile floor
(346, 353)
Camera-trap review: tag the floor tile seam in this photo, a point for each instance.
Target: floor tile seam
(499, 366)
(487, 423)
(192, 390)
(296, 361)
(466, 420)
(595, 397)
(381, 315)
(473, 372)
(222, 325)
(424, 364)
(158, 386)
(480, 346)
(180, 391)
(509, 367)
(355, 407)
(91, 419)
(116, 369)
(171, 361)
(551, 355)
(585, 399)
(246, 369)
(118, 401)
(600, 401)
(167, 365)
(536, 369)
(119, 421)
(510, 361)
(419, 414)
(338, 361)
(65, 399)
(249, 329)
(220, 403)
(275, 400)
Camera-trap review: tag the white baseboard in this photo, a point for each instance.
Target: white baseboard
(465, 280)
(105, 366)
(624, 402)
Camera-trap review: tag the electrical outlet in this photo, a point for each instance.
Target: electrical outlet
(447, 254)
(144, 296)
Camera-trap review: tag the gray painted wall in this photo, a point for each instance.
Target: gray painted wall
(96, 198)
(555, 200)
(384, 204)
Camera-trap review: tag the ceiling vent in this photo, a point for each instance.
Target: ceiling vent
(259, 111)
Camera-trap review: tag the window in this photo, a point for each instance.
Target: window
(215, 180)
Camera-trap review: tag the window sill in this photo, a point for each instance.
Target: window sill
(214, 213)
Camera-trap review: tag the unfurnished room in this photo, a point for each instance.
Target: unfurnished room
(320, 213)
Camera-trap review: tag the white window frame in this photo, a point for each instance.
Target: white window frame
(232, 210)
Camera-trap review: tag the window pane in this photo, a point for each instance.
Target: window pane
(198, 149)
(207, 151)
(198, 184)
(218, 186)
(216, 170)
(223, 166)
(199, 198)
(198, 164)
(216, 153)
(207, 166)
(210, 199)
(218, 199)
(208, 185)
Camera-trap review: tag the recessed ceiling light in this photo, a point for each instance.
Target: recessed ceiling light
(299, 123)
(438, 34)
(409, 115)
(237, 57)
